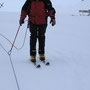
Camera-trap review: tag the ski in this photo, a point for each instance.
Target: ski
(36, 65)
(46, 63)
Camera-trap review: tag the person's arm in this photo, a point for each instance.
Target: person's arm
(49, 7)
(51, 11)
(24, 12)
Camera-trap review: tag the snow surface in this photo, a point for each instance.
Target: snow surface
(67, 49)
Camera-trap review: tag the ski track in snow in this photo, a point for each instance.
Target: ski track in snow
(67, 49)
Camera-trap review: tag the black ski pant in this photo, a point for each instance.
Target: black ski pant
(37, 32)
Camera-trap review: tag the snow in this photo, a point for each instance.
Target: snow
(67, 49)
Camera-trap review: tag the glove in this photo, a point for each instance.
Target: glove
(53, 22)
(21, 22)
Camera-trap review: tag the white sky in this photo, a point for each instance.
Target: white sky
(15, 5)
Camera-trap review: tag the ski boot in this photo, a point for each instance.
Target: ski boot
(33, 58)
(42, 57)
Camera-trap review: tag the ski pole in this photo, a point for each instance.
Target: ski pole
(9, 53)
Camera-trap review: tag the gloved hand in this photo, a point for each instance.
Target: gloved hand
(53, 22)
(21, 22)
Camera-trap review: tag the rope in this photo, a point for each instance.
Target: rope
(12, 43)
(14, 73)
(3, 48)
(10, 53)
(12, 67)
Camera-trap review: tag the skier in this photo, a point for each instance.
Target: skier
(38, 12)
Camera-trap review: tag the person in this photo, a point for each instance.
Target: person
(37, 12)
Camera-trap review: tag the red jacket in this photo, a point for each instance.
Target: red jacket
(37, 11)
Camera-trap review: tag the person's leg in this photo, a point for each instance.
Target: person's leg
(41, 39)
(33, 40)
